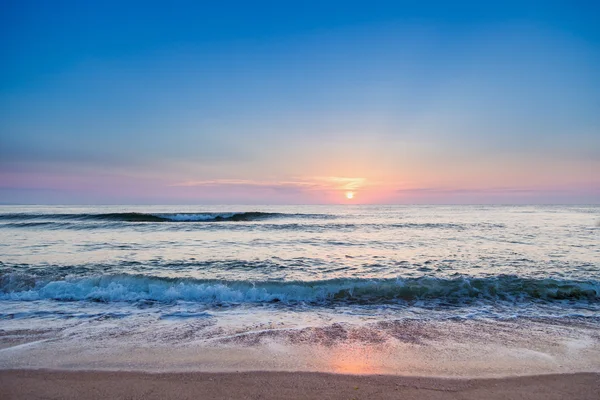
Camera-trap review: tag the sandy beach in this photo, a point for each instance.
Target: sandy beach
(48, 384)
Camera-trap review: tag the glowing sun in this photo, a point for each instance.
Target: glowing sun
(349, 195)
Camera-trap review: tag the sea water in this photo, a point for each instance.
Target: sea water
(207, 275)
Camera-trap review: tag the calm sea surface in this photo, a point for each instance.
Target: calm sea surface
(294, 266)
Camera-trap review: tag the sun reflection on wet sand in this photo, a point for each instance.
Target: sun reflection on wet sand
(356, 360)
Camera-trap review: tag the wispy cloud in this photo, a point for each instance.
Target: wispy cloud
(497, 190)
(327, 183)
(341, 183)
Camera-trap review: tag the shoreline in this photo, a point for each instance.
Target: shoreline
(63, 384)
(449, 349)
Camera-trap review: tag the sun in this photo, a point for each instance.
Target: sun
(349, 195)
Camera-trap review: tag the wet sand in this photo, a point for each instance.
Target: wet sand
(53, 384)
(453, 349)
(397, 360)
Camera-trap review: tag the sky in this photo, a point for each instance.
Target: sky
(299, 102)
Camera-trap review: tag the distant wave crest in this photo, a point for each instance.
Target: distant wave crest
(147, 217)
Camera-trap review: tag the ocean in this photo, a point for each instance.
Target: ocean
(81, 286)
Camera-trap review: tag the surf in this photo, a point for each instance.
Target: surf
(459, 290)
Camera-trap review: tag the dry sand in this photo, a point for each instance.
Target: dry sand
(48, 384)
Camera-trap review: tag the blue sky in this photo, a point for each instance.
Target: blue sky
(299, 102)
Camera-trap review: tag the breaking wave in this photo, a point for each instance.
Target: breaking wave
(25, 218)
(454, 291)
